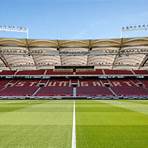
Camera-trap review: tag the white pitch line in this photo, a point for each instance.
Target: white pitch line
(74, 128)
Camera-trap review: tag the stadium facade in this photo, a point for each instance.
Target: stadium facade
(112, 68)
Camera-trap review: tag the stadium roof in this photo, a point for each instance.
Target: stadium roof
(24, 54)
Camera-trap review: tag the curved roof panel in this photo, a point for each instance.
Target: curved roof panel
(110, 53)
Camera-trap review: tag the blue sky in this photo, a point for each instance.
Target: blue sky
(73, 19)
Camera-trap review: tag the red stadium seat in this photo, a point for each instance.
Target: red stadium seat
(118, 72)
(85, 87)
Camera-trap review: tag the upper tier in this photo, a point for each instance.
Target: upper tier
(24, 54)
(97, 72)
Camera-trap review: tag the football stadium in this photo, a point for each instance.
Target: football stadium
(73, 93)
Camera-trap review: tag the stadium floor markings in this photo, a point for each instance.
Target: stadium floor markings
(71, 124)
(74, 127)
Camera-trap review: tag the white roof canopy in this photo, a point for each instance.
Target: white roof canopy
(22, 54)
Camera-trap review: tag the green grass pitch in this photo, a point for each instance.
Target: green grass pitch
(99, 124)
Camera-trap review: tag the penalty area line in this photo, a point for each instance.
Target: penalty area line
(74, 127)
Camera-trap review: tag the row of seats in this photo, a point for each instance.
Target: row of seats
(65, 87)
(78, 72)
